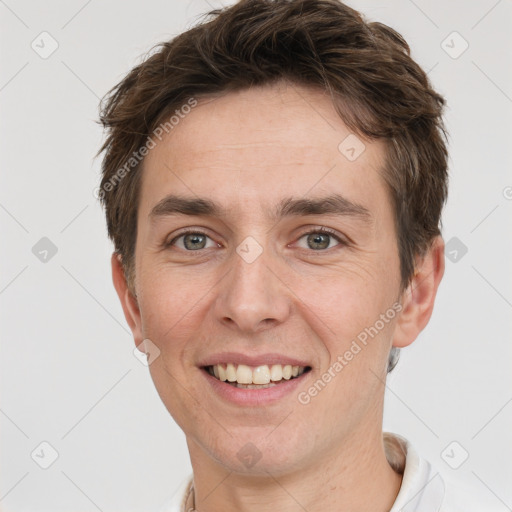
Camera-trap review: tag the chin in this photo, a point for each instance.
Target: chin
(261, 451)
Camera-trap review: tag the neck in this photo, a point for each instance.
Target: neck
(357, 477)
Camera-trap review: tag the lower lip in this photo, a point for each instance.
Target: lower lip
(252, 397)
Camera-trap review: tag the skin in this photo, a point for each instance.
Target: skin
(248, 151)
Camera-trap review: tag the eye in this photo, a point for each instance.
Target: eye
(319, 239)
(193, 241)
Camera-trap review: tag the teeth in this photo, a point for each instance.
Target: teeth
(276, 372)
(243, 374)
(261, 376)
(221, 371)
(231, 372)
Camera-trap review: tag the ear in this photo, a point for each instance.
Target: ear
(418, 299)
(128, 301)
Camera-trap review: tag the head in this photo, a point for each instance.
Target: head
(303, 151)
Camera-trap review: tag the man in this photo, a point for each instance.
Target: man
(273, 182)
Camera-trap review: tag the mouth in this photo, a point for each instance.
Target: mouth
(255, 377)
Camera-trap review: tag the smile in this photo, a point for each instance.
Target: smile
(255, 377)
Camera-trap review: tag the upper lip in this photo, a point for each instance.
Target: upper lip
(251, 360)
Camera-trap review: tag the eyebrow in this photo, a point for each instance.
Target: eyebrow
(334, 204)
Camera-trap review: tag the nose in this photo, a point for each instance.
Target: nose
(252, 297)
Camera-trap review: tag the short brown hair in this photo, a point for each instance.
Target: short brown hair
(379, 91)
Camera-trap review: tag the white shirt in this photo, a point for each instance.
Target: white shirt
(423, 488)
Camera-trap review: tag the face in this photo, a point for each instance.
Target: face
(261, 246)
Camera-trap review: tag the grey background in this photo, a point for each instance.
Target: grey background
(68, 373)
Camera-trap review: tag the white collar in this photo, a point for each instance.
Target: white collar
(422, 488)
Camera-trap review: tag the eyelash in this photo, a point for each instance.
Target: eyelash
(321, 229)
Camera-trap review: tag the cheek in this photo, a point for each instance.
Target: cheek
(179, 398)
(347, 298)
(171, 299)
(352, 312)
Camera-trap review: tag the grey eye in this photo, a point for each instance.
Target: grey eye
(194, 241)
(318, 241)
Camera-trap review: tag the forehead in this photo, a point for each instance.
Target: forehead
(258, 145)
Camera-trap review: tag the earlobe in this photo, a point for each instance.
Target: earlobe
(419, 297)
(128, 301)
